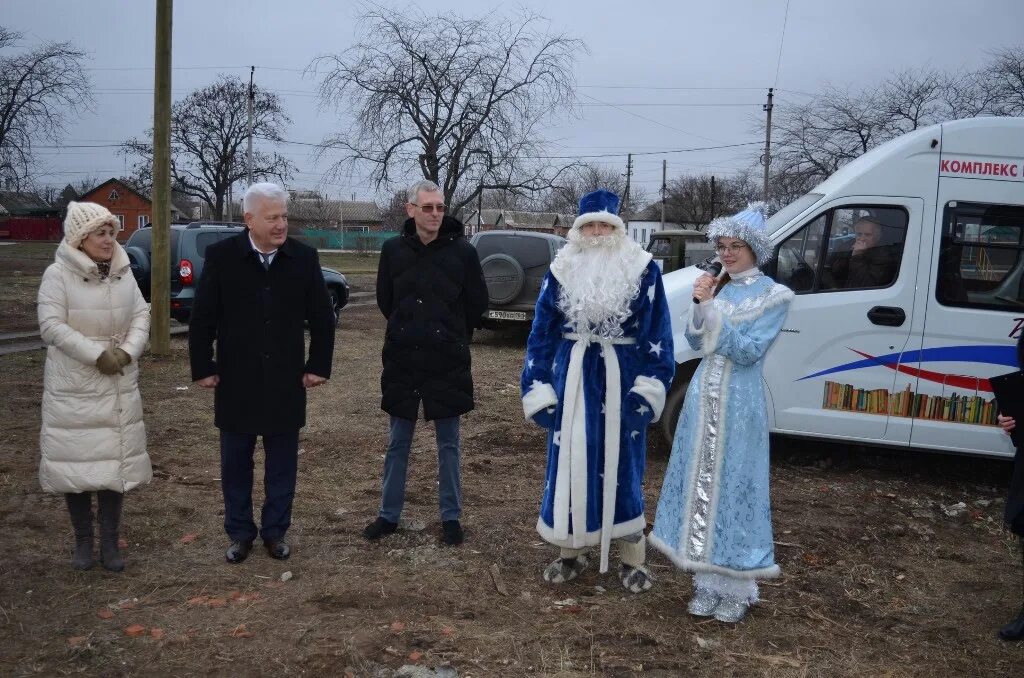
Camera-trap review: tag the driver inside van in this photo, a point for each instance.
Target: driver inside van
(869, 263)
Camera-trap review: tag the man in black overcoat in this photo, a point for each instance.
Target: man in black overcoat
(257, 292)
(431, 289)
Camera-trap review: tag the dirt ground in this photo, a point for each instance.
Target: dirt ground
(21, 267)
(877, 579)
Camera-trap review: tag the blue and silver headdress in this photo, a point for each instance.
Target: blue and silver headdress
(750, 226)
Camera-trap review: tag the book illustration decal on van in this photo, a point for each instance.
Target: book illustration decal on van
(963, 408)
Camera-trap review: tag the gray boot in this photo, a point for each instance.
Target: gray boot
(80, 510)
(110, 520)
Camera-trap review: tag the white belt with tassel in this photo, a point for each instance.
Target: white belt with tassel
(571, 476)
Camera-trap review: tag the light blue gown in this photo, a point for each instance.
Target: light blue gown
(713, 514)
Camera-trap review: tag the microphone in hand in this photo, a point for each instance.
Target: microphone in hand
(713, 270)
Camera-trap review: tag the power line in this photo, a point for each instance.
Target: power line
(311, 94)
(573, 157)
(664, 87)
(695, 105)
(536, 157)
(304, 70)
(796, 91)
(782, 41)
(656, 122)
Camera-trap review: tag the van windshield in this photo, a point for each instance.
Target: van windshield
(786, 214)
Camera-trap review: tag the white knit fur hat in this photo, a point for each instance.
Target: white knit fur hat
(85, 217)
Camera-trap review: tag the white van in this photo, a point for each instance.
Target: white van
(901, 356)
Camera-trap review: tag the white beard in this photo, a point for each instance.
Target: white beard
(598, 283)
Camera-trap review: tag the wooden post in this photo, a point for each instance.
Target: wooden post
(768, 142)
(160, 264)
(664, 190)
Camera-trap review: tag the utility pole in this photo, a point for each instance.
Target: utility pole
(768, 142)
(712, 198)
(664, 190)
(479, 209)
(252, 103)
(625, 195)
(160, 273)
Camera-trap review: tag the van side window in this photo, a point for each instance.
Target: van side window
(980, 263)
(865, 247)
(846, 248)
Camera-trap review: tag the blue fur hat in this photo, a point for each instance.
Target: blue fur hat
(600, 205)
(750, 226)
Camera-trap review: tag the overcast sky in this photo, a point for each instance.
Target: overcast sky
(727, 51)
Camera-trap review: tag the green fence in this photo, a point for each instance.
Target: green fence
(356, 241)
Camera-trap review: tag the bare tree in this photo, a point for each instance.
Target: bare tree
(813, 140)
(39, 90)
(564, 196)
(695, 199)
(1004, 77)
(459, 101)
(911, 99)
(393, 215)
(209, 130)
(968, 95)
(310, 209)
(49, 193)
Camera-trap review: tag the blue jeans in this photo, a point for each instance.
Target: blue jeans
(396, 464)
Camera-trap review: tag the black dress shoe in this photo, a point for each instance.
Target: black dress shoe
(379, 528)
(1015, 629)
(451, 533)
(238, 551)
(277, 549)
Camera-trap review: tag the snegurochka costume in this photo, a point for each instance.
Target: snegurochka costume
(714, 515)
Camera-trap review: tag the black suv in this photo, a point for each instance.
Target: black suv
(188, 251)
(514, 265)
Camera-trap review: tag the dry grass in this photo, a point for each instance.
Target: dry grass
(22, 265)
(878, 582)
(21, 268)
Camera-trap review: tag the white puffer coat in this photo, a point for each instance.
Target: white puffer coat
(92, 437)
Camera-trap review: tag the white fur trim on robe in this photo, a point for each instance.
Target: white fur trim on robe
(571, 476)
(600, 217)
(651, 390)
(705, 320)
(541, 396)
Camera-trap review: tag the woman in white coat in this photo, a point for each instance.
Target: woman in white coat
(95, 324)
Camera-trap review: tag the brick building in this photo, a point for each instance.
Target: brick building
(133, 209)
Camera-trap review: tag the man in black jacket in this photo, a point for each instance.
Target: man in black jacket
(870, 263)
(256, 294)
(431, 289)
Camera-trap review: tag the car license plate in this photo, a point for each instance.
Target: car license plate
(507, 315)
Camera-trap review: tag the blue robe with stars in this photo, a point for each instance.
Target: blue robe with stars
(566, 374)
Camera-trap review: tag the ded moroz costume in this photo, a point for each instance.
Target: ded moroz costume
(599, 360)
